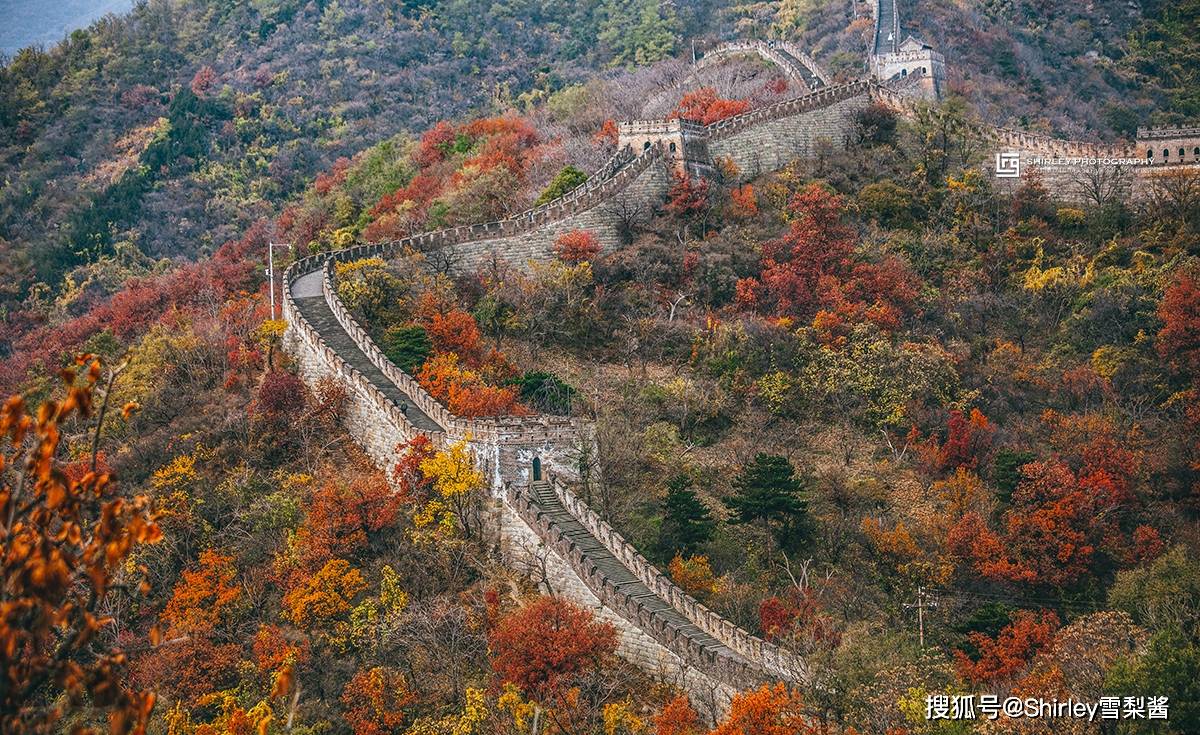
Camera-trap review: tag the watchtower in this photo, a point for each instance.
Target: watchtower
(684, 142)
(910, 67)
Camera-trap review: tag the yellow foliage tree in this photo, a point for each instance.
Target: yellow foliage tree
(456, 484)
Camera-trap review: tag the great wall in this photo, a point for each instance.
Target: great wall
(537, 522)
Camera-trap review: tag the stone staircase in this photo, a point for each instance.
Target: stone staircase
(546, 500)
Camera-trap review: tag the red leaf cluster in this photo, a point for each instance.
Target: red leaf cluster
(1012, 648)
(706, 107)
(548, 642)
(813, 269)
(577, 246)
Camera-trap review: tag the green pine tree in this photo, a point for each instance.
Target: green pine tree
(770, 494)
(686, 524)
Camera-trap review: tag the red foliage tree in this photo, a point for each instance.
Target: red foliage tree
(203, 80)
(687, 197)
(1054, 533)
(275, 648)
(968, 440)
(812, 268)
(706, 107)
(68, 548)
(407, 472)
(548, 642)
(280, 395)
(1012, 648)
(1178, 341)
(434, 143)
(576, 246)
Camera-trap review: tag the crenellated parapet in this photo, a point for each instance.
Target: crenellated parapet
(793, 61)
(775, 660)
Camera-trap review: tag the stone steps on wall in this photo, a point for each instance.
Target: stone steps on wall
(551, 507)
(320, 316)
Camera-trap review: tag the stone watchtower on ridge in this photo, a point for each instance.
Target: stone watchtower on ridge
(684, 142)
(911, 67)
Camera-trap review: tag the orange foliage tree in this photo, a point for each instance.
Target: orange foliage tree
(743, 202)
(464, 391)
(374, 701)
(338, 516)
(768, 710)
(677, 718)
(203, 596)
(325, 596)
(546, 643)
(1013, 647)
(65, 555)
(706, 107)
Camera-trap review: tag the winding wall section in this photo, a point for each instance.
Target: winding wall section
(542, 526)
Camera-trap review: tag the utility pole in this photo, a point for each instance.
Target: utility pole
(923, 601)
(271, 269)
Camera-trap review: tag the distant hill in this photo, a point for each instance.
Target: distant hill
(33, 22)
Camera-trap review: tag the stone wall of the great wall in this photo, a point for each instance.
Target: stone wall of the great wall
(765, 140)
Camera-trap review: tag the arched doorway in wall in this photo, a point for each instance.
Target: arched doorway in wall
(537, 469)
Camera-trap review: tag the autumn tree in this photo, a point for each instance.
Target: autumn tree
(68, 544)
(326, 596)
(768, 710)
(706, 107)
(1008, 653)
(576, 246)
(1178, 341)
(677, 717)
(456, 484)
(812, 271)
(688, 198)
(374, 701)
(547, 643)
(204, 597)
(694, 575)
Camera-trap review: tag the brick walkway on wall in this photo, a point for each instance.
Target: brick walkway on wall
(316, 310)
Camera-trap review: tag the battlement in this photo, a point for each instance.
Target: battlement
(795, 64)
(1168, 132)
(788, 108)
